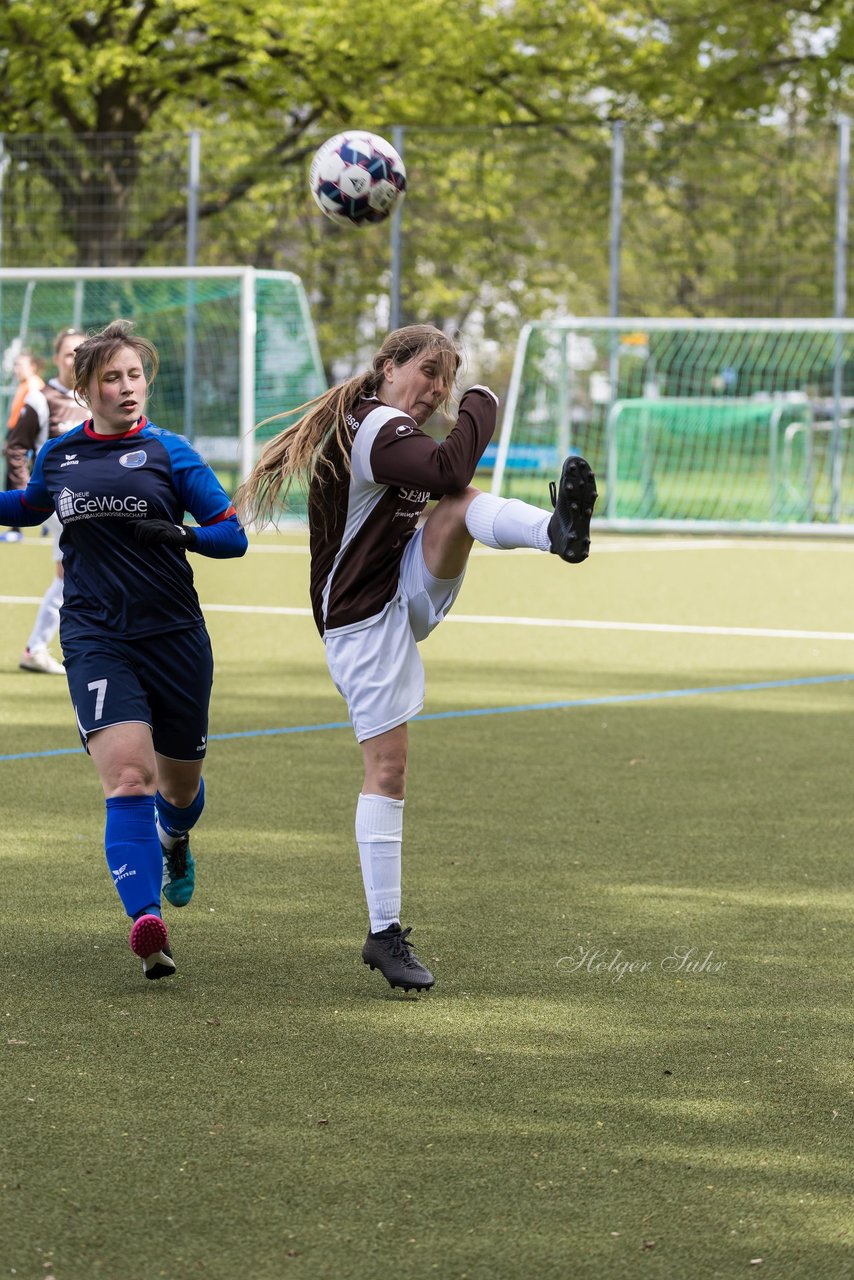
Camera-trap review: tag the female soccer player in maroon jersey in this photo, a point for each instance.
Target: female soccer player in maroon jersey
(381, 579)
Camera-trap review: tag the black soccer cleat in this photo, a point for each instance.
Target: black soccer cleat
(160, 966)
(573, 500)
(391, 952)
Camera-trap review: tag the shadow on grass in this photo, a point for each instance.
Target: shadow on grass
(522, 1120)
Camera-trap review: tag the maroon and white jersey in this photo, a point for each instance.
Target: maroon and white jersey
(361, 522)
(65, 411)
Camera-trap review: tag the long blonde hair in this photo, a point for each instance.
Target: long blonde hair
(320, 439)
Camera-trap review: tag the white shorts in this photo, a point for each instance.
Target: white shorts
(54, 523)
(376, 665)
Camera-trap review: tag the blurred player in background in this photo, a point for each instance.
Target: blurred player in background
(137, 654)
(27, 427)
(65, 412)
(380, 583)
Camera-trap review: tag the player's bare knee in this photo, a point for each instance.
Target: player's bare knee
(130, 780)
(181, 796)
(451, 509)
(386, 777)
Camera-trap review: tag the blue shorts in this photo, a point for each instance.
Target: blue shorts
(163, 681)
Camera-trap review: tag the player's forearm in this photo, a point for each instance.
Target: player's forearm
(445, 467)
(454, 462)
(464, 445)
(14, 511)
(221, 540)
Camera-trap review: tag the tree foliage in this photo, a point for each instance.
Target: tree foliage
(507, 107)
(127, 65)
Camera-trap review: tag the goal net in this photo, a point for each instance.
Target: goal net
(715, 424)
(236, 345)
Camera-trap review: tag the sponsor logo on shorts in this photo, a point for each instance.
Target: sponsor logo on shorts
(136, 459)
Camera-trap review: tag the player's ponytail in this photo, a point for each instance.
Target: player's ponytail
(317, 445)
(305, 447)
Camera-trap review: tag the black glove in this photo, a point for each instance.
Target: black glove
(163, 533)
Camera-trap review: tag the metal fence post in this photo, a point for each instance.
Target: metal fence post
(839, 308)
(248, 345)
(564, 396)
(4, 160)
(617, 150)
(394, 308)
(193, 176)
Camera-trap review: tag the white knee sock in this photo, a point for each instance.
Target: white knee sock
(506, 522)
(379, 834)
(47, 618)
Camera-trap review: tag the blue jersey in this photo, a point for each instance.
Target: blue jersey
(98, 485)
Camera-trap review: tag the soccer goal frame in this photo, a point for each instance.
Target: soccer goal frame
(722, 425)
(262, 356)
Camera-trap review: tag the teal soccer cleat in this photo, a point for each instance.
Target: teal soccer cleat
(179, 873)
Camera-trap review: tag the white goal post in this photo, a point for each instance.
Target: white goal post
(237, 345)
(723, 425)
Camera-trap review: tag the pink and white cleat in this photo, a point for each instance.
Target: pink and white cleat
(149, 939)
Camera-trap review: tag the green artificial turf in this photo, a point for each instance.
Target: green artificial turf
(275, 1110)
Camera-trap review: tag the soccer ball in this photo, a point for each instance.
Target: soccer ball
(357, 177)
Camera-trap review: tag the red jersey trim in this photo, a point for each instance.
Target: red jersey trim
(113, 435)
(226, 515)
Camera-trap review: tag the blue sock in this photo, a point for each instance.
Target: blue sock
(177, 822)
(133, 851)
(151, 910)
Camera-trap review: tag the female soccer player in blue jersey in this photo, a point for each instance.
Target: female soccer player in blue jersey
(137, 654)
(381, 580)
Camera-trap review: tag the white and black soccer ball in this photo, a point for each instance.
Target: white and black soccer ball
(357, 177)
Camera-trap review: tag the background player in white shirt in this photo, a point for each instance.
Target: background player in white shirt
(65, 412)
(381, 580)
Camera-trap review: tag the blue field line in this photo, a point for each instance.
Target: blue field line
(615, 699)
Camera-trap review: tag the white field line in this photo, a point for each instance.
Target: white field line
(570, 624)
(662, 628)
(631, 546)
(575, 624)
(606, 546)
